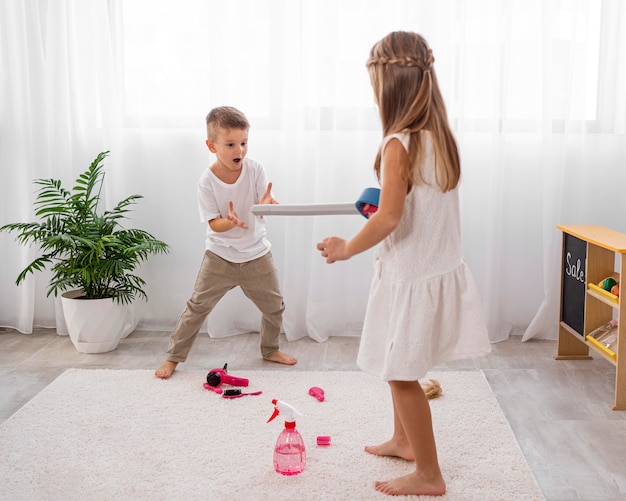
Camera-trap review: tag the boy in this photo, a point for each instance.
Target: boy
(237, 251)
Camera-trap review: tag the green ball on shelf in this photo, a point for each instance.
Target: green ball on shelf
(608, 283)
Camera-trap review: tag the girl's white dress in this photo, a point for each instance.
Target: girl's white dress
(424, 308)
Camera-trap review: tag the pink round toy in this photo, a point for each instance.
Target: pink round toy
(323, 440)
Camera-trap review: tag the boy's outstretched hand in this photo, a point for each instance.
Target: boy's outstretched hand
(333, 249)
(267, 197)
(233, 217)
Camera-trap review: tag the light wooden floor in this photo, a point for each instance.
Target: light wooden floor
(558, 410)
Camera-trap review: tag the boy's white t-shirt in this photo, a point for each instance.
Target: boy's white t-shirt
(237, 245)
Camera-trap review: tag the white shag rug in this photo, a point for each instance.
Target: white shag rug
(126, 435)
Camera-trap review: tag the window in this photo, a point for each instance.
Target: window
(501, 64)
(180, 57)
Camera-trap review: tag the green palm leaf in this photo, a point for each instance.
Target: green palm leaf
(84, 249)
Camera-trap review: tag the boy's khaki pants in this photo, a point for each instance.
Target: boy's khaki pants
(258, 280)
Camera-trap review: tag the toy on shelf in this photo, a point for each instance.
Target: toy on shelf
(611, 284)
(605, 338)
(608, 283)
(607, 288)
(601, 332)
(615, 289)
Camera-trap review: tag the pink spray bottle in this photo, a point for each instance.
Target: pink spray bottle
(289, 452)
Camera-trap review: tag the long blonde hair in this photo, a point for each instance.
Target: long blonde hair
(408, 98)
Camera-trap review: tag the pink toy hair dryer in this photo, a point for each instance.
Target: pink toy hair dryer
(215, 377)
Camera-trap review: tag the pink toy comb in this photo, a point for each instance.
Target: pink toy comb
(213, 388)
(317, 393)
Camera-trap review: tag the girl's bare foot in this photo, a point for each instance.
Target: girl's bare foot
(391, 449)
(281, 358)
(412, 484)
(166, 370)
(432, 389)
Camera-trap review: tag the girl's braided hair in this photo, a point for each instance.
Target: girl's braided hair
(409, 100)
(422, 64)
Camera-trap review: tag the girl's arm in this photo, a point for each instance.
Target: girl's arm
(386, 219)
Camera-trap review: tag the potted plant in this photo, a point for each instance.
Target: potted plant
(91, 256)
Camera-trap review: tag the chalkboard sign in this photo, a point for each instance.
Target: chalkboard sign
(574, 270)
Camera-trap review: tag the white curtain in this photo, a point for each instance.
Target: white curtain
(535, 90)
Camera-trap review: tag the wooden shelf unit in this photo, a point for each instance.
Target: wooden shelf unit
(583, 309)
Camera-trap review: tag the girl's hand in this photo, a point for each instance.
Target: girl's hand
(233, 217)
(267, 196)
(334, 249)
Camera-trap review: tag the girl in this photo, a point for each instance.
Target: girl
(424, 308)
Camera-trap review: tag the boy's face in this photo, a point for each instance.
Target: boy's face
(230, 146)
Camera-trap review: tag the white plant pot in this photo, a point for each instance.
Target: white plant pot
(96, 325)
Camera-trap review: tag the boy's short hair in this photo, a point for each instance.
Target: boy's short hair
(225, 117)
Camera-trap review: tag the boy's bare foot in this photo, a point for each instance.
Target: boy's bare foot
(391, 449)
(166, 370)
(412, 484)
(281, 358)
